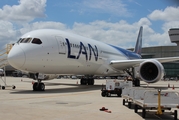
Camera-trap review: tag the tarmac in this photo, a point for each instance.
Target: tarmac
(66, 99)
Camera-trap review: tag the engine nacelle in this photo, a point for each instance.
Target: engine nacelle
(151, 71)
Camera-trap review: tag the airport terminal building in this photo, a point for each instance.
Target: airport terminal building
(172, 68)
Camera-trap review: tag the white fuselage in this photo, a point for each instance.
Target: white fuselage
(66, 53)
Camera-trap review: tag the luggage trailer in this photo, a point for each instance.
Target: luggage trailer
(151, 99)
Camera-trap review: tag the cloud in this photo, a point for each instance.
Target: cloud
(42, 25)
(106, 5)
(169, 14)
(172, 24)
(170, 18)
(7, 33)
(119, 33)
(113, 33)
(112, 7)
(26, 11)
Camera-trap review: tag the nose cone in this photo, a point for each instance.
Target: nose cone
(16, 57)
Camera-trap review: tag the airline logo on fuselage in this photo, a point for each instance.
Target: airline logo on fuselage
(83, 51)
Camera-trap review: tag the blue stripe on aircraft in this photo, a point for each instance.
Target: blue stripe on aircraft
(127, 53)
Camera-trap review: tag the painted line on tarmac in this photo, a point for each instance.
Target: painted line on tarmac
(49, 96)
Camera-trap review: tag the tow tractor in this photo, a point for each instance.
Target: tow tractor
(114, 87)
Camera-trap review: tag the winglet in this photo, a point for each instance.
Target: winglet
(138, 46)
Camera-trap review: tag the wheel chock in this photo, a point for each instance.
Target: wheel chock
(103, 109)
(108, 111)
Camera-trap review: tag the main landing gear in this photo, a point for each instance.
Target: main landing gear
(38, 86)
(136, 82)
(87, 81)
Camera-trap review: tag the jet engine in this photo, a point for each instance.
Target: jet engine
(151, 71)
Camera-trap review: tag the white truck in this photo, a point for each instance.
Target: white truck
(114, 87)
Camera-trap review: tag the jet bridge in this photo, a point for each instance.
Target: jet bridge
(3, 63)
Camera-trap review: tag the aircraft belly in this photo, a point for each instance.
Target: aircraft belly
(62, 66)
(76, 67)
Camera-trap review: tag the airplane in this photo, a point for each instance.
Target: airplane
(47, 53)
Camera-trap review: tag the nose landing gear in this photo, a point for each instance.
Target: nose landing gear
(38, 86)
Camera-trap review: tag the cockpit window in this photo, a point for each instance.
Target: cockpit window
(28, 40)
(36, 41)
(19, 40)
(24, 40)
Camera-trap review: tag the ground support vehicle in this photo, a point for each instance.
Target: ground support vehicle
(129, 93)
(114, 87)
(152, 99)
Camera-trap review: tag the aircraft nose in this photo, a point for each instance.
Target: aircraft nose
(16, 57)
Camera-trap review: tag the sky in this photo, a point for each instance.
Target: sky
(115, 22)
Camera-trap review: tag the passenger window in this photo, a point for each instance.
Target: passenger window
(36, 41)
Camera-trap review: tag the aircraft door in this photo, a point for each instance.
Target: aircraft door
(61, 45)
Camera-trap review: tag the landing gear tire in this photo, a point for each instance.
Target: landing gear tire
(86, 81)
(41, 87)
(3, 87)
(38, 86)
(137, 82)
(83, 81)
(90, 81)
(35, 86)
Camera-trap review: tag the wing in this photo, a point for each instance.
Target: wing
(124, 64)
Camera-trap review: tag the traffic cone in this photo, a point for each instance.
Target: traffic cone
(32, 82)
(173, 87)
(168, 85)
